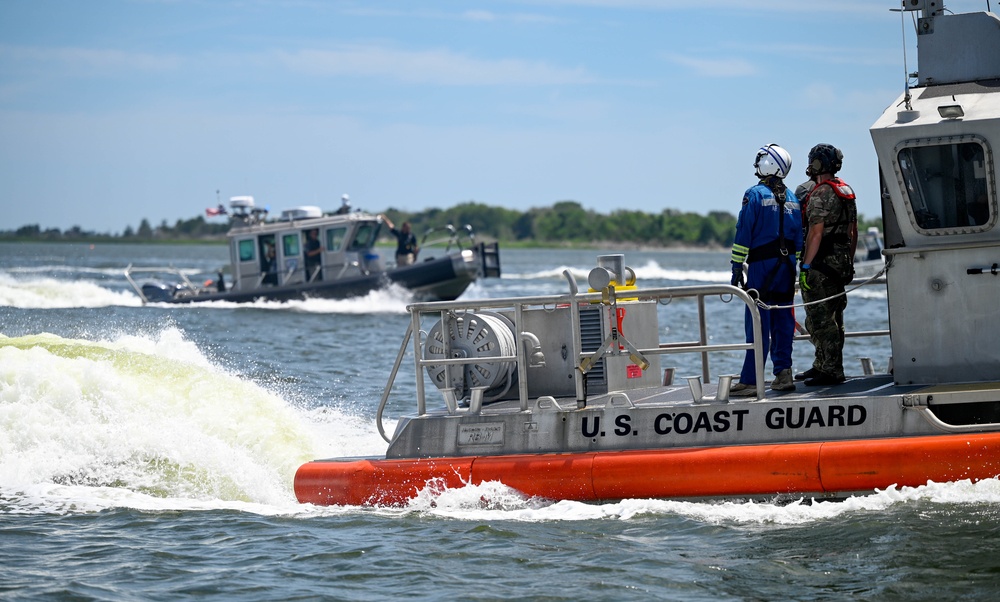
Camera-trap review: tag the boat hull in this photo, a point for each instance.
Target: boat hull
(439, 279)
(817, 469)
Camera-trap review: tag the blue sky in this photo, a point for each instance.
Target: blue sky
(112, 111)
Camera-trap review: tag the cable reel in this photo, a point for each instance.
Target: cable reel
(479, 336)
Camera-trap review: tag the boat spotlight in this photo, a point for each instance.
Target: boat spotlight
(951, 111)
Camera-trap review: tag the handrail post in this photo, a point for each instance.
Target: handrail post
(389, 383)
(418, 372)
(703, 337)
(522, 370)
(758, 356)
(576, 344)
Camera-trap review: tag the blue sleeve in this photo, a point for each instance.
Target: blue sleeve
(746, 220)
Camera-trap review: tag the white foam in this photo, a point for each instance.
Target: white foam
(48, 293)
(493, 501)
(150, 422)
(392, 299)
(651, 270)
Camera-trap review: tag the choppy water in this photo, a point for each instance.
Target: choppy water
(148, 453)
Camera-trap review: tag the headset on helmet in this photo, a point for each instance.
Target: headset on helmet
(772, 160)
(824, 158)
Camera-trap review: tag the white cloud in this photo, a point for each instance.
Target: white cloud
(90, 60)
(715, 67)
(441, 67)
(787, 6)
(479, 15)
(476, 15)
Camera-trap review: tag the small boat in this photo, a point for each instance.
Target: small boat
(268, 260)
(566, 397)
(868, 260)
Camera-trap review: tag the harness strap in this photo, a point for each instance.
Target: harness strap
(770, 250)
(775, 248)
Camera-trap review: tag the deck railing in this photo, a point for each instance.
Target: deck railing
(450, 310)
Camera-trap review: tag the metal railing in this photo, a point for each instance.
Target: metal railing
(451, 310)
(161, 270)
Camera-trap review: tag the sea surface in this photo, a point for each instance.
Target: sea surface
(147, 453)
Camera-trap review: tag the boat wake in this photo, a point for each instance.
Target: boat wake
(49, 293)
(392, 299)
(150, 423)
(494, 501)
(651, 271)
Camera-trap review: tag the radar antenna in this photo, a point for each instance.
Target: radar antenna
(906, 70)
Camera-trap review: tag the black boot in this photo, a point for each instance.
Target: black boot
(810, 373)
(822, 379)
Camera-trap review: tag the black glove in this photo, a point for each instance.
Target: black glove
(737, 275)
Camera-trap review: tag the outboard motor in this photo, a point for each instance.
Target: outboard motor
(160, 292)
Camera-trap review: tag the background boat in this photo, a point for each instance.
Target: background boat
(270, 259)
(868, 260)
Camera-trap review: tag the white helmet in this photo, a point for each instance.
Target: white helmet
(772, 160)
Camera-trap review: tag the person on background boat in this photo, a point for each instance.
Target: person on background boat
(313, 251)
(406, 242)
(345, 205)
(769, 240)
(827, 263)
(269, 266)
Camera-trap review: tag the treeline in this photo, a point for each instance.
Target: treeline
(191, 229)
(569, 222)
(565, 222)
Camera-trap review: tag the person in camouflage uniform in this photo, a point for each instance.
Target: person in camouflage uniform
(827, 262)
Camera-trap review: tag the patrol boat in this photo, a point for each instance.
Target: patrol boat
(562, 397)
(869, 261)
(268, 261)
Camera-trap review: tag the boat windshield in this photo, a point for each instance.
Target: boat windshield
(290, 245)
(335, 238)
(948, 185)
(246, 248)
(364, 236)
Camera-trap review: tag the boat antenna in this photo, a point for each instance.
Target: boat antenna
(906, 70)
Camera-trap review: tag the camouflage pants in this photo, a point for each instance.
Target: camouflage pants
(825, 323)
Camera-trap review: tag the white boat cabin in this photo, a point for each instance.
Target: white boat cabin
(276, 253)
(939, 203)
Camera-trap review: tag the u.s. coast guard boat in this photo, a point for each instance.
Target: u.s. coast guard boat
(563, 397)
(269, 260)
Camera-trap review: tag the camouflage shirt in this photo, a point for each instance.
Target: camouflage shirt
(826, 207)
(837, 214)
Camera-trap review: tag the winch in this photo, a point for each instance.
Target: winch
(483, 335)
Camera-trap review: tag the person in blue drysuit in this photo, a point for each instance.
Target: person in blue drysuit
(769, 240)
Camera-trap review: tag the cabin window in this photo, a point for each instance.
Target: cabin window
(364, 237)
(949, 187)
(246, 249)
(335, 238)
(290, 245)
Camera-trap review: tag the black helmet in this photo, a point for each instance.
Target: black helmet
(824, 158)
